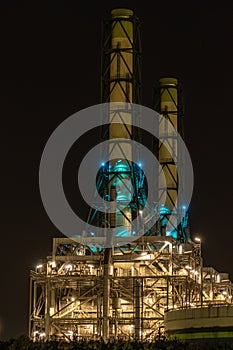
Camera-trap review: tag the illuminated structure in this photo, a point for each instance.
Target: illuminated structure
(124, 292)
(168, 101)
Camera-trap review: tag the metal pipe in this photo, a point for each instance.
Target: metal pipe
(106, 294)
(137, 291)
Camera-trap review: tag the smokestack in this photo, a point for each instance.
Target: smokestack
(119, 84)
(169, 103)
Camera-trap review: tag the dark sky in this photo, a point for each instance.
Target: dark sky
(50, 68)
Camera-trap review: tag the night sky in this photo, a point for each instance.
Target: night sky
(50, 68)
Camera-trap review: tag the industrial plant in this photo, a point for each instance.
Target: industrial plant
(155, 285)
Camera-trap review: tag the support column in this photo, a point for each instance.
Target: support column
(106, 294)
(47, 308)
(137, 308)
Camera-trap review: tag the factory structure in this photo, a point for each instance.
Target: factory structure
(155, 285)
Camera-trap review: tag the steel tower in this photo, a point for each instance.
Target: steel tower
(168, 101)
(121, 82)
(123, 292)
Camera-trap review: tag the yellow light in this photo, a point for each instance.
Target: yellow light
(69, 267)
(150, 300)
(53, 264)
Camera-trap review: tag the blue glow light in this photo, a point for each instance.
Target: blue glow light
(164, 210)
(103, 164)
(96, 249)
(172, 234)
(140, 165)
(121, 167)
(122, 233)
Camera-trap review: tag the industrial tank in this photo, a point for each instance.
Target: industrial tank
(214, 323)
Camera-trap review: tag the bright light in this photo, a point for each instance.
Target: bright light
(140, 212)
(224, 292)
(184, 207)
(144, 253)
(123, 301)
(197, 239)
(140, 165)
(103, 164)
(72, 299)
(150, 300)
(69, 267)
(53, 264)
(39, 266)
(187, 267)
(42, 335)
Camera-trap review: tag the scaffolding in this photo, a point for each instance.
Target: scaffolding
(84, 291)
(146, 278)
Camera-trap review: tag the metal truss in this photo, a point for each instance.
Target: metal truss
(83, 291)
(168, 102)
(146, 278)
(120, 82)
(118, 56)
